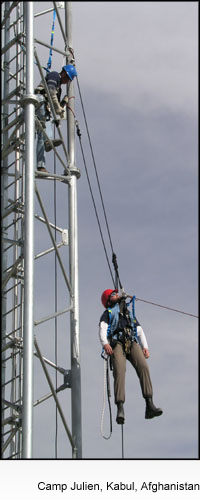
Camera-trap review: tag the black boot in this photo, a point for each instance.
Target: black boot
(151, 410)
(120, 413)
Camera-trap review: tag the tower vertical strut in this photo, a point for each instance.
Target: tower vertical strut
(4, 205)
(73, 255)
(28, 249)
(29, 98)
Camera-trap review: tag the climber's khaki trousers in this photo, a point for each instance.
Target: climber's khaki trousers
(137, 359)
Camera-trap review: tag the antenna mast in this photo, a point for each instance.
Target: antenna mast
(73, 250)
(33, 351)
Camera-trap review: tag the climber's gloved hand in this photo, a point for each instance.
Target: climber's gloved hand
(64, 101)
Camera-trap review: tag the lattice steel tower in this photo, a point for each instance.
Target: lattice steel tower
(40, 306)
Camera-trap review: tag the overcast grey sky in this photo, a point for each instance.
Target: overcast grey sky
(137, 67)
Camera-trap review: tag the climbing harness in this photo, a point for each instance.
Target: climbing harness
(134, 317)
(133, 299)
(117, 330)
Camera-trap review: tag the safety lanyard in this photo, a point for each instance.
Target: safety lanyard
(51, 43)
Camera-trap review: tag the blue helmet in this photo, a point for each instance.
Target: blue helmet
(70, 70)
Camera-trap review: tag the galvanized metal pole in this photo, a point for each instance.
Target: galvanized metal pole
(29, 99)
(73, 258)
(4, 199)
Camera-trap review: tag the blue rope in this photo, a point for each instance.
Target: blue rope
(51, 43)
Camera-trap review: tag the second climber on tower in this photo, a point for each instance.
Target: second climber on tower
(54, 81)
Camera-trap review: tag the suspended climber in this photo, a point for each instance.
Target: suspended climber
(54, 81)
(122, 337)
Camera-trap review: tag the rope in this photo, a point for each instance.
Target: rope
(122, 440)
(94, 163)
(98, 182)
(165, 307)
(114, 260)
(51, 43)
(93, 200)
(56, 305)
(106, 382)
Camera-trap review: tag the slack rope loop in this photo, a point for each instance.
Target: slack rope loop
(106, 383)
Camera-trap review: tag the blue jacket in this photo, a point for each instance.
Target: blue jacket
(114, 320)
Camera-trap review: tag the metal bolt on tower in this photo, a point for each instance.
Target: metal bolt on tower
(40, 304)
